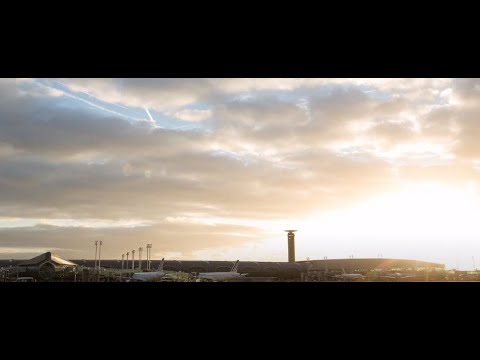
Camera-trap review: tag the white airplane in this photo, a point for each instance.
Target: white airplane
(349, 277)
(150, 276)
(222, 275)
(397, 276)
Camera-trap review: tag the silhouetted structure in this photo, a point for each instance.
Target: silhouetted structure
(291, 245)
(45, 266)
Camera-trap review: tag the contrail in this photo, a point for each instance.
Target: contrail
(87, 102)
(95, 97)
(185, 127)
(150, 116)
(98, 106)
(101, 99)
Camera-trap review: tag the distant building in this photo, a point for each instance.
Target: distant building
(45, 266)
(369, 264)
(376, 269)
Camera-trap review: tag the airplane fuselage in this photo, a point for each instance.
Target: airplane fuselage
(349, 277)
(219, 276)
(148, 276)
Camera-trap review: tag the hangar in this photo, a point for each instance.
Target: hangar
(45, 266)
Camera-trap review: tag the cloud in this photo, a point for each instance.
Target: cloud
(169, 94)
(186, 183)
(271, 125)
(33, 127)
(393, 132)
(265, 158)
(458, 122)
(193, 115)
(77, 242)
(166, 95)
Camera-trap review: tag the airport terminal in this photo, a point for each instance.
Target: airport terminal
(52, 267)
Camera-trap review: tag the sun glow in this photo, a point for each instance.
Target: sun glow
(415, 221)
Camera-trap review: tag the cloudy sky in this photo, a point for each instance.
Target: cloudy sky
(217, 168)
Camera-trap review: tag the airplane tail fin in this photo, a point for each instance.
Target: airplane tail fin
(160, 267)
(235, 266)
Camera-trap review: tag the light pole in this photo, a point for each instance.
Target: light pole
(351, 262)
(127, 259)
(133, 259)
(99, 253)
(140, 250)
(96, 249)
(326, 267)
(123, 256)
(149, 255)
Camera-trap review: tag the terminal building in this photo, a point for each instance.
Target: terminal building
(371, 264)
(375, 269)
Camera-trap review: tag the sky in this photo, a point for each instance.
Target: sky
(216, 169)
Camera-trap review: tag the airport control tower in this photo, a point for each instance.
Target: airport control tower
(291, 245)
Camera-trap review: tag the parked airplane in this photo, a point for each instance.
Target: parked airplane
(397, 276)
(349, 277)
(150, 276)
(222, 275)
